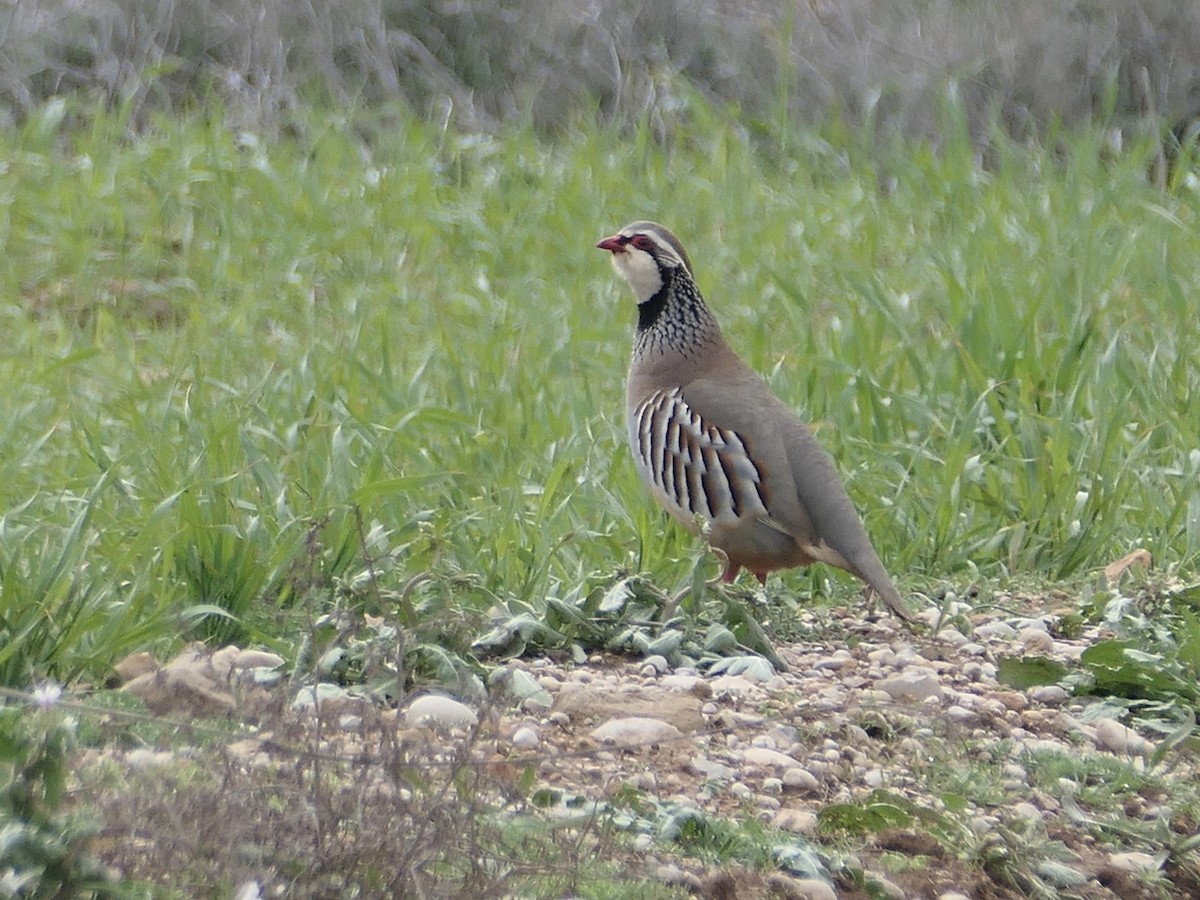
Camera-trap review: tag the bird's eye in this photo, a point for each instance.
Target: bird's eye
(643, 243)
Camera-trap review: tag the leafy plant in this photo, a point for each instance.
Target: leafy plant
(44, 846)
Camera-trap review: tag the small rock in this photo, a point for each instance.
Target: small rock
(548, 683)
(741, 791)
(1035, 639)
(840, 660)
(645, 781)
(885, 657)
(1134, 861)
(1013, 700)
(672, 874)
(798, 779)
(959, 715)
(711, 769)
(766, 758)
(772, 786)
(686, 684)
(797, 821)
(913, 684)
(952, 636)
(873, 778)
(1049, 694)
(1026, 811)
(635, 732)
(801, 888)
(436, 709)
(525, 738)
(737, 685)
(1109, 734)
(657, 663)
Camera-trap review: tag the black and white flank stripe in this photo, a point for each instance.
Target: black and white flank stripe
(698, 468)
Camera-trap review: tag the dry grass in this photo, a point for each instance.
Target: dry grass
(887, 63)
(312, 810)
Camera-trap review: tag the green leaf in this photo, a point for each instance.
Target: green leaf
(1023, 672)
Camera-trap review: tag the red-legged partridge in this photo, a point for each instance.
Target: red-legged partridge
(716, 448)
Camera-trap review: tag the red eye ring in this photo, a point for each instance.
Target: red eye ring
(643, 243)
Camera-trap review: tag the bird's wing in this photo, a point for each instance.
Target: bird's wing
(803, 491)
(696, 466)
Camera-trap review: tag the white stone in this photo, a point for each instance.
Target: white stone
(913, 684)
(1134, 861)
(525, 738)
(959, 715)
(797, 779)
(436, 709)
(952, 636)
(1109, 734)
(635, 731)
(766, 758)
(995, 631)
(712, 769)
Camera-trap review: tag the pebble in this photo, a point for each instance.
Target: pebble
(840, 660)
(1025, 811)
(436, 709)
(1133, 861)
(1035, 639)
(995, 631)
(797, 821)
(803, 888)
(1109, 734)
(913, 684)
(1049, 694)
(525, 738)
(657, 664)
(635, 732)
(953, 637)
(798, 779)
(959, 715)
(765, 757)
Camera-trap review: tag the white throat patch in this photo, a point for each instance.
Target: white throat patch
(640, 270)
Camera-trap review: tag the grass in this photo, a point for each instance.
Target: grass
(236, 368)
(251, 382)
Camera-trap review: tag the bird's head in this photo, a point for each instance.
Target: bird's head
(646, 255)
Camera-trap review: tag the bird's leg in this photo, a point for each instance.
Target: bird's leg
(731, 571)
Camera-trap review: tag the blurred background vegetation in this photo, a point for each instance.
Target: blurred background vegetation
(889, 65)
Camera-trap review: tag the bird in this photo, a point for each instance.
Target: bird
(716, 447)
